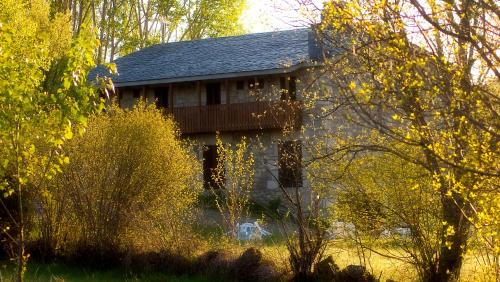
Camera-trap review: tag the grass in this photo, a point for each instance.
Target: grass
(344, 254)
(273, 248)
(60, 272)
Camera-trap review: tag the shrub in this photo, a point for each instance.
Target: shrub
(392, 202)
(131, 183)
(214, 263)
(234, 176)
(251, 266)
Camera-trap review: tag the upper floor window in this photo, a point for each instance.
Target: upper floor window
(292, 88)
(136, 92)
(120, 95)
(290, 163)
(251, 83)
(255, 83)
(213, 93)
(161, 96)
(240, 85)
(260, 83)
(288, 87)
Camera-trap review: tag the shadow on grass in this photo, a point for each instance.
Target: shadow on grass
(61, 272)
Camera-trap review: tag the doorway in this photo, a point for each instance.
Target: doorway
(210, 157)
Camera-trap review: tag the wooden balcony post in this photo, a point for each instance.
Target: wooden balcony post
(198, 91)
(199, 116)
(228, 93)
(171, 96)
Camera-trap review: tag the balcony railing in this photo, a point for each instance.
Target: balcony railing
(237, 117)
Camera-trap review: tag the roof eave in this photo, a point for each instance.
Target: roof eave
(219, 76)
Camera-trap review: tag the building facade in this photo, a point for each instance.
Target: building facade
(250, 85)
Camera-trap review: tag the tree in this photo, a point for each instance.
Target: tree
(413, 79)
(36, 112)
(125, 26)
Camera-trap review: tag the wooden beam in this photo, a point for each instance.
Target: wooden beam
(170, 96)
(228, 93)
(198, 91)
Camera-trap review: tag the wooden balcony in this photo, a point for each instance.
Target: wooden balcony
(237, 117)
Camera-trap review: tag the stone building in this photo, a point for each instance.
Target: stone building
(250, 85)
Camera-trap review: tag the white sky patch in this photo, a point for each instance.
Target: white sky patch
(272, 15)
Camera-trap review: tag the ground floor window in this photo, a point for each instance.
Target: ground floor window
(290, 163)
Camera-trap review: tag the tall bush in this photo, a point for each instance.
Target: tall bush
(131, 182)
(44, 99)
(390, 203)
(234, 175)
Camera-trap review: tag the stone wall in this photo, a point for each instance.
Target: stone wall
(265, 149)
(265, 143)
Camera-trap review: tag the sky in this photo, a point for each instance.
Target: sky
(271, 15)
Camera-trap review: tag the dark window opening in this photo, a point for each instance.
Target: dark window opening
(210, 157)
(161, 96)
(251, 83)
(260, 83)
(288, 88)
(213, 93)
(292, 88)
(290, 163)
(256, 84)
(283, 90)
(137, 93)
(240, 84)
(120, 95)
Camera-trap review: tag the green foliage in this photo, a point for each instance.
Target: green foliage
(234, 175)
(125, 26)
(39, 112)
(215, 18)
(379, 194)
(31, 112)
(413, 79)
(131, 183)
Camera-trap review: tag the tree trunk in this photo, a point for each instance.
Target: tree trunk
(453, 247)
(20, 242)
(451, 258)
(100, 51)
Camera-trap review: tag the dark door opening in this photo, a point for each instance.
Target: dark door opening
(213, 93)
(209, 165)
(161, 96)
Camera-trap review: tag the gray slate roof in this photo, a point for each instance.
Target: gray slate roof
(250, 54)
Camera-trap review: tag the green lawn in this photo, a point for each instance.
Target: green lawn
(59, 272)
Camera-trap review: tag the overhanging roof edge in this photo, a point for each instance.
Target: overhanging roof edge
(217, 76)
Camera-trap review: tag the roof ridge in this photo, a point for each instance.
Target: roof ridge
(214, 39)
(234, 36)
